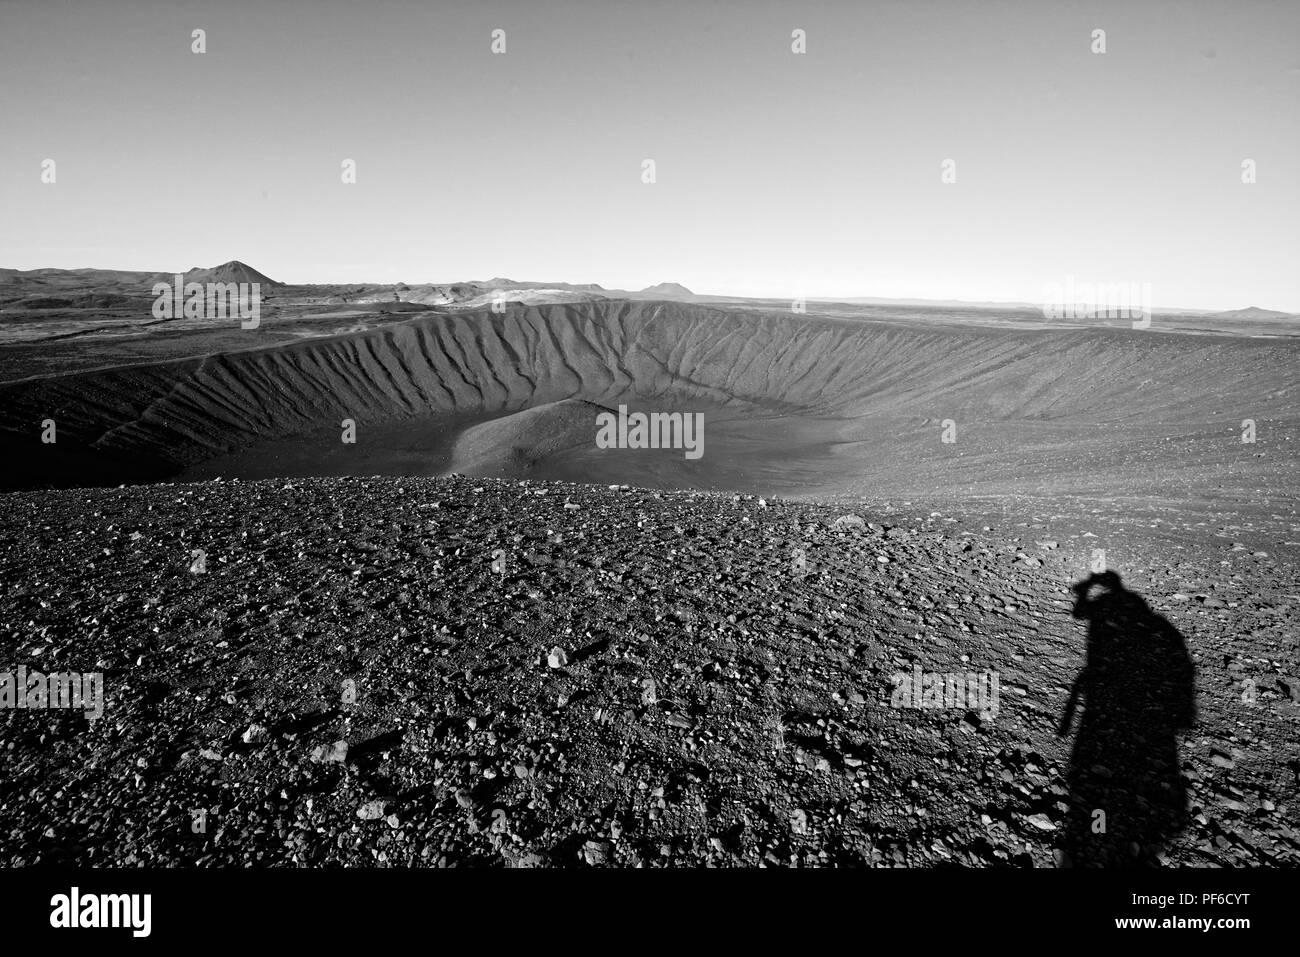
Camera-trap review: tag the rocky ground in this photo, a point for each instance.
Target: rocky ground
(433, 672)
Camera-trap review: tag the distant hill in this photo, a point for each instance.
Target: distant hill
(663, 290)
(1253, 312)
(233, 271)
(79, 278)
(499, 282)
(667, 290)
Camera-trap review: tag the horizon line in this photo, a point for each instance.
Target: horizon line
(884, 300)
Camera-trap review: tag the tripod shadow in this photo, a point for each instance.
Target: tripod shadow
(1137, 687)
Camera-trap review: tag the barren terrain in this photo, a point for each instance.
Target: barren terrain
(473, 636)
(765, 736)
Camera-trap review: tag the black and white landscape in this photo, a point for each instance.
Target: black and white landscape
(954, 523)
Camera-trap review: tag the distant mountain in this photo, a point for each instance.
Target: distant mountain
(498, 282)
(663, 290)
(233, 271)
(43, 280)
(1253, 312)
(666, 290)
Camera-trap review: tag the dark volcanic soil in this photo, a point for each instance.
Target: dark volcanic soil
(649, 678)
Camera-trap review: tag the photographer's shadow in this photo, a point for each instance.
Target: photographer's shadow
(1137, 690)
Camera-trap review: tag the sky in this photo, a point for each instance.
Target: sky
(777, 173)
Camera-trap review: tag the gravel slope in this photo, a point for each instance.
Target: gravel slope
(650, 678)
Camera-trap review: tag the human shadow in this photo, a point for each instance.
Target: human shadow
(1127, 795)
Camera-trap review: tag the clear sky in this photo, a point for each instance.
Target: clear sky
(777, 174)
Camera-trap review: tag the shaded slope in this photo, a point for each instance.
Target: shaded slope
(158, 419)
